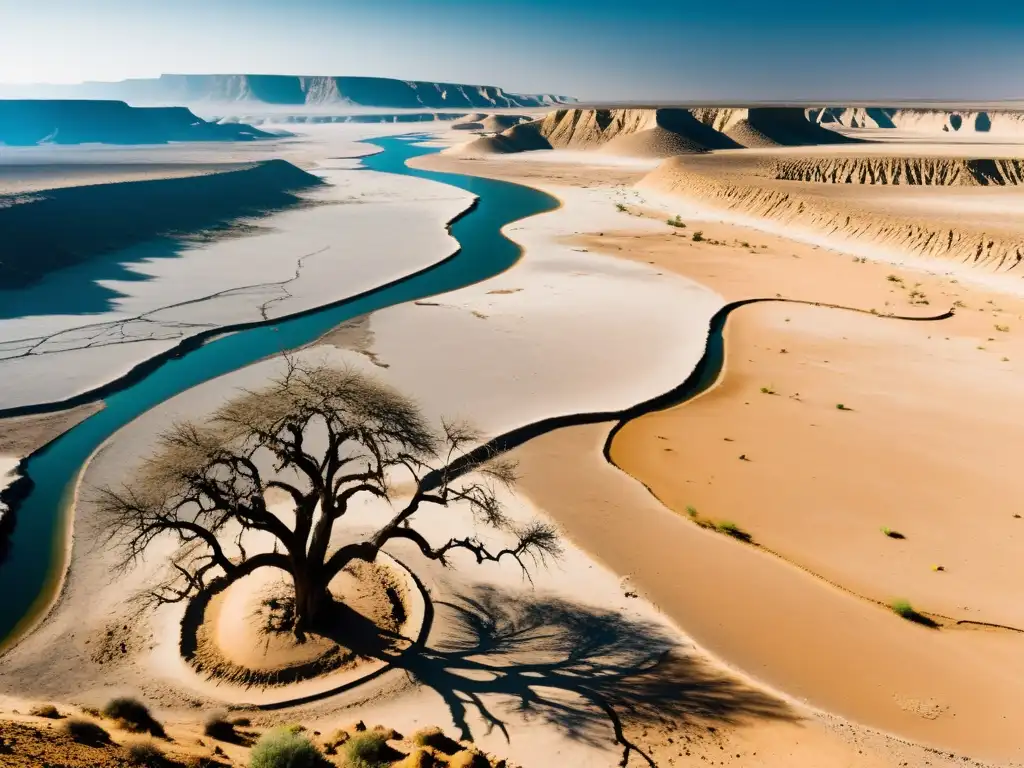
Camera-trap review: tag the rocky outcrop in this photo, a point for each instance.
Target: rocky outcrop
(928, 121)
(661, 132)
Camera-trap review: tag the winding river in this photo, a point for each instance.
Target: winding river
(32, 570)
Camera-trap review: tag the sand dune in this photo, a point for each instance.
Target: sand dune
(932, 226)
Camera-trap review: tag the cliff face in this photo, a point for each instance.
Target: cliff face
(28, 122)
(294, 90)
(937, 121)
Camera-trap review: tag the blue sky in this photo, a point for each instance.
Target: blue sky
(592, 49)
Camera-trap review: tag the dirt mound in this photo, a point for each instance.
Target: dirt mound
(758, 195)
(499, 123)
(930, 171)
(520, 138)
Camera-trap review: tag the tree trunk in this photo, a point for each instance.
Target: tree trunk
(310, 598)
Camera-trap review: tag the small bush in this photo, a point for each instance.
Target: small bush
(894, 278)
(147, 754)
(435, 738)
(241, 722)
(892, 534)
(698, 236)
(368, 749)
(691, 511)
(621, 208)
(731, 529)
(217, 726)
(841, 407)
(45, 710)
(86, 731)
(904, 609)
(767, 391)
(132, 715)
(676, 222)
(1003, 328)
(280, 748)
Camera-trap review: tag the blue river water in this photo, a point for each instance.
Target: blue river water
(30, 573)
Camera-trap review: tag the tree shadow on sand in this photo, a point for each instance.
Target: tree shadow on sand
(578, 668)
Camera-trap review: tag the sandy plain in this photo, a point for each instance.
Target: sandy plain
(785, 653)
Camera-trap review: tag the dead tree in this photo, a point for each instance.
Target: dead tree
(207, 483)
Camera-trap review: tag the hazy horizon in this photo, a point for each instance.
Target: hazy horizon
(595, 51)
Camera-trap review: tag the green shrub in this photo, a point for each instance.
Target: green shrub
(147, 754)
(132, 715)
(892, 534)
(676, 222)
(698, 236)
(45, 710)
(620, 207)
(281, 748)
(86, 731)
(904, 609)
(731, 529)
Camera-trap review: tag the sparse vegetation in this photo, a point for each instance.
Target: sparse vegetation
(86, 731)
(691, 511)
(905, 610)
(676, 222)
(45, 710)
(731, 529)
(132, 715)
(218, 727)
(841, 407)
(435, 738)
(698, 236)
(146, 754)
(767, 391)
(368, 750)
(621, 208)
(894, 278)
(892, 534)
(1003, 328)
(280, 748)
